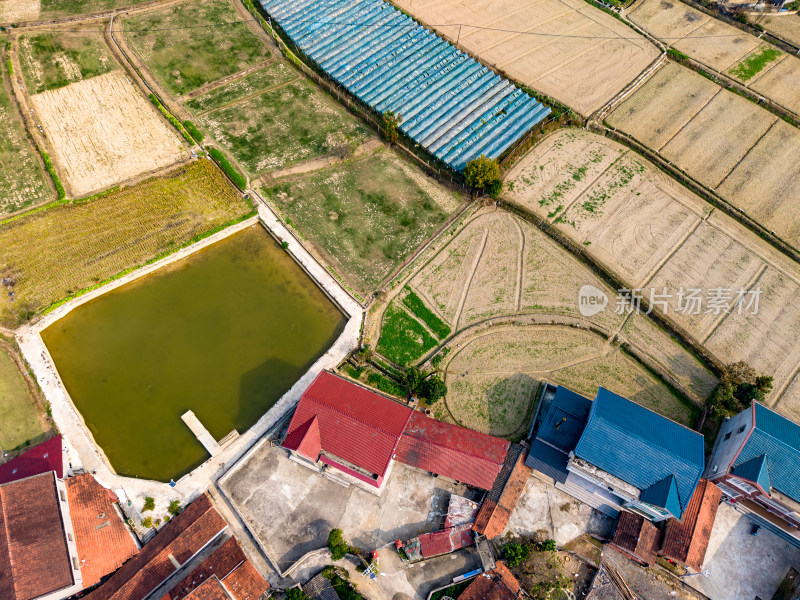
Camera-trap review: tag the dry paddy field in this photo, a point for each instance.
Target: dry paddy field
(103, 131)
(52, 254)
(748, 155)
(509, 293)
(568, 49)
(723, 48)
(786, 27)
(494, 377)
(655, 235)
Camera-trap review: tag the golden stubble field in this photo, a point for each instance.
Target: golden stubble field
(654, 234)
(746, 154)
(103, 131)
(566, 49)
(723, 48)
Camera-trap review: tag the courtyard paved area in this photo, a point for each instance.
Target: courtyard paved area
(548, 512)
(290, 509)
(742, 566)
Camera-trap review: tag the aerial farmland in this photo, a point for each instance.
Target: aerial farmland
(399, 299)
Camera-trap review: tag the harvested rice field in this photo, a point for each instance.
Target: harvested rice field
(534, 292)
(723, 48)
(185, 58)
(569, 50)
(79, 245)
(493, 378)
(718, 138)
(658, 237)
(22, 179)
(51, 60)
(102, 131)
(786, 27)
(364, 216)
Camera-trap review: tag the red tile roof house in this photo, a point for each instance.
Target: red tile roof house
(73, 521)
(497, 584)
(360, 432)
(175, 545)
(192, 558)
(38, 555)
(686, 541)
(637, 538)
(44, 457)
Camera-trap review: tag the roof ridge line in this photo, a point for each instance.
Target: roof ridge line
(659, 445)
(371, 426)
(451, 448)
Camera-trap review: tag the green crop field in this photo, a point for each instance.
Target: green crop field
(752, 65)
(274, 74)
(365, 215)
(184, 59)
(22, 181)
(403, 339)
(19, 417)
(283, 126)
(54, 60)
(52, 254)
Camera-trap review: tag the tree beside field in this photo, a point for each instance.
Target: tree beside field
(738, 386)
(483, 174)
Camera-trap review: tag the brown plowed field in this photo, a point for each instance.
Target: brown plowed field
(566, 49)
(102, 131)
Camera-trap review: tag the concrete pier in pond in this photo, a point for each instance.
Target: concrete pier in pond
(201, 433)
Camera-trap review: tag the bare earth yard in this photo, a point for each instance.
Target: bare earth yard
(570, 50)
(721, 140)
(626, 217)
(103, 131)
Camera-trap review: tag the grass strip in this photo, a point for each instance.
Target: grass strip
(425, 314)
(403, 339)
(173, 121)
(229, 169)
(385, 384)
(51, 170)
(194, 131)
(753, 64)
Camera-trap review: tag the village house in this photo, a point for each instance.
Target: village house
(613, 454)
(755, 464)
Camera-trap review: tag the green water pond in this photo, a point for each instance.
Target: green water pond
(225, 333)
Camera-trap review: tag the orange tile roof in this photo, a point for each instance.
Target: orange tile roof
(211, 589)
(182, 537)
(103, 541)
(637, 538)
(497, 509)
(34, 559)
(245, 583)
(497, 584)
(686, 541)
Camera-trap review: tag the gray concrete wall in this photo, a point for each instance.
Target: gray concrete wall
(725, 450)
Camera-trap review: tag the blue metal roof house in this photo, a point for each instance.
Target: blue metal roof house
(450, 104)
(613, 454)
(756, 464)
